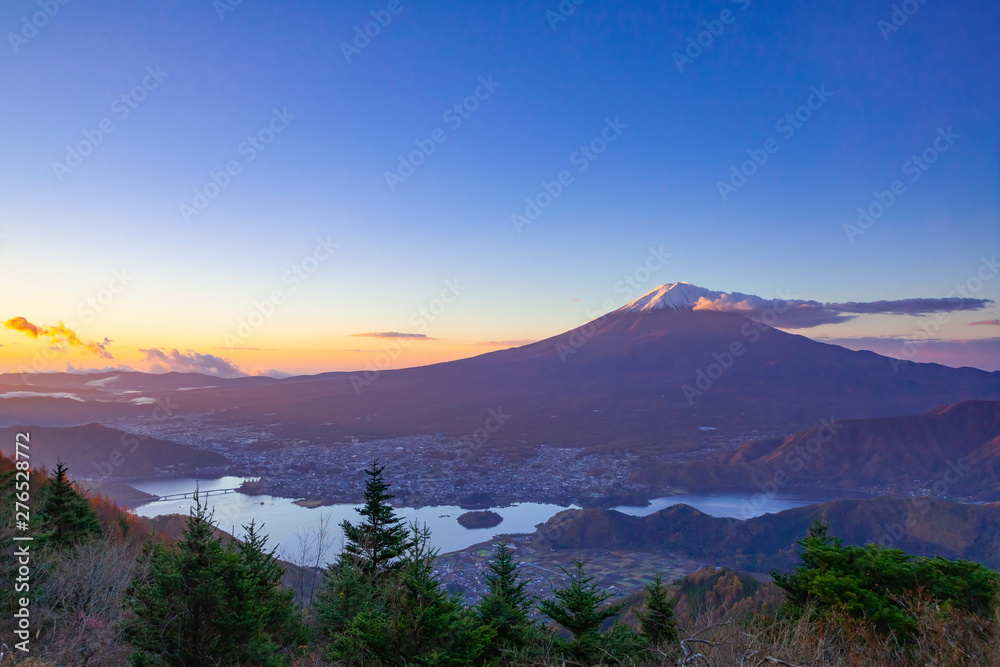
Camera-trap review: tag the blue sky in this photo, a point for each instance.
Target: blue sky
(226, 72)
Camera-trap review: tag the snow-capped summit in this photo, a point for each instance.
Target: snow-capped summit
(675, 296)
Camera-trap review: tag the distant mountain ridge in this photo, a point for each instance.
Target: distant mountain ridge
(921, 526)
(952, 450)
(96, 451)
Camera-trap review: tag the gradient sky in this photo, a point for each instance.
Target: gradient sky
(225, 69)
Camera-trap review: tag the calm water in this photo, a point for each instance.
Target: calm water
(283, 519)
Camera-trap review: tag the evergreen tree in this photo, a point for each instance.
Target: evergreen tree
(279, 615)
(872, 583)
(656, 622)
(506, 606)
(352, 584)
(376, 543)
(579, 607)
(381, 603)
(204, 604)
(65, 513)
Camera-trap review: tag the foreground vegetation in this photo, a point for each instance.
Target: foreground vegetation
(107, 592)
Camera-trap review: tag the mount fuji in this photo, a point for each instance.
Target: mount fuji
(649, 376)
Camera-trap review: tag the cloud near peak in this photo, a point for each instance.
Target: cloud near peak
(801, 314)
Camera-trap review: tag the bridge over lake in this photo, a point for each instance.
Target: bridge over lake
(190, 494)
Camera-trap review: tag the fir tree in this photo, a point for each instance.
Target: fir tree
(66, 514)
(204, 604)
(376, 543)
(656, 621)
(579, 607)
(505, 607)
(381, 603)
(275, 605)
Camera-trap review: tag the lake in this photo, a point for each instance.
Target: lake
(282, 519)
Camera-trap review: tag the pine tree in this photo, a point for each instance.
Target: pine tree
(429, 625)
(656, 621)
(376, 543)
(204, 604)
(66, 513)
(505, 607)
(381, 603)
(355, 582)
(278, 615)
(579, 606)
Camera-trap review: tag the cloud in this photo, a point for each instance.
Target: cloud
(190, 362)
(995, 323)
(983, 353)
(41, 394)
(515, 342)
(911, 306)
(273, 373)
(70, 368)
(102, 382)
(58, 333)
(800, 314)
(394, 334)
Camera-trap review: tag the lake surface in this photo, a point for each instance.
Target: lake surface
(283, 520)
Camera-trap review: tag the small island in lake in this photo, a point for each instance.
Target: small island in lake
(485, 519)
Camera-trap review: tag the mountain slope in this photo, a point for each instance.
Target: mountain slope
(952, 450)
(922, 526)
(97, 451)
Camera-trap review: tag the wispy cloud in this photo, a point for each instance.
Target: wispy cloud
(801, 314)
(394, 334)
(994, 323)
(70, 368)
